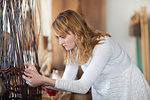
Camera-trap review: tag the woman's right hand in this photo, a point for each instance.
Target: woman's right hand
(32, 76)
(34, 79)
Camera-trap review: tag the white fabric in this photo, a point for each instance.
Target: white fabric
(110, 73)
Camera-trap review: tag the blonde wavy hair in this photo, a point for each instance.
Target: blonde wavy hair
(86, 37)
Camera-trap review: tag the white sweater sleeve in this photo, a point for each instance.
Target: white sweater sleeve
(100, 57)
(70, 72)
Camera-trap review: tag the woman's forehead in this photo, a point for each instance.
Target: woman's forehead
(64, 34)
(60, 33)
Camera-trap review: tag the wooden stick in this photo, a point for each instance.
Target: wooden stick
(145, 43)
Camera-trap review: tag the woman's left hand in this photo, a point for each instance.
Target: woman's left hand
(32, 77)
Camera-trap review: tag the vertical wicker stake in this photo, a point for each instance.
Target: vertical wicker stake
(17, 45)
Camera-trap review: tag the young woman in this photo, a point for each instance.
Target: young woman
(108, 70)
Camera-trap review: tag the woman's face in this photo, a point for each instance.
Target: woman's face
(67, 41)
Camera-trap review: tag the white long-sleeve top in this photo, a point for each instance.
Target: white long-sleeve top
(108, 61)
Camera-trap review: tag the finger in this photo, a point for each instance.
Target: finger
(28, 83)
(29, 65)
(26, 78)
(28, 75)
(28, 70)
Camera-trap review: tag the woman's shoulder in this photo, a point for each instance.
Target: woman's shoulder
(103, 45)
(104, 39)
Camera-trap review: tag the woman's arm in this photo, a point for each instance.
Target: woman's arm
(100, 57)
(70, 72)
(33, 78)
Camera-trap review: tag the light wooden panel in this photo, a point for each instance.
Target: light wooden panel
(95, 13)
(145, 43)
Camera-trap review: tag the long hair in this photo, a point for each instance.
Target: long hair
(86, 37)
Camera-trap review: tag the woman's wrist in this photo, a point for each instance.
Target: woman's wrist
(48, 81)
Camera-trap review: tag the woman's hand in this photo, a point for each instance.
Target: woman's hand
(30, 66)
(32, 77)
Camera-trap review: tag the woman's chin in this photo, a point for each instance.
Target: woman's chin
(67, 49)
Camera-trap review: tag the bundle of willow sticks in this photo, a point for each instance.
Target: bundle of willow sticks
(18, 45)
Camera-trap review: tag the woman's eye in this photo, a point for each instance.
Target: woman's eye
(63, 37)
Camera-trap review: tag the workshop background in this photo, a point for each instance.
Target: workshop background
(127, 21)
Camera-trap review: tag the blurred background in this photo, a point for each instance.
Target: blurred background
(127, 21)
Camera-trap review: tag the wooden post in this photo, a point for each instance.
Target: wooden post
(145, 43)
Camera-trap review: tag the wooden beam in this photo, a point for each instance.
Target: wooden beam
(145, 43)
